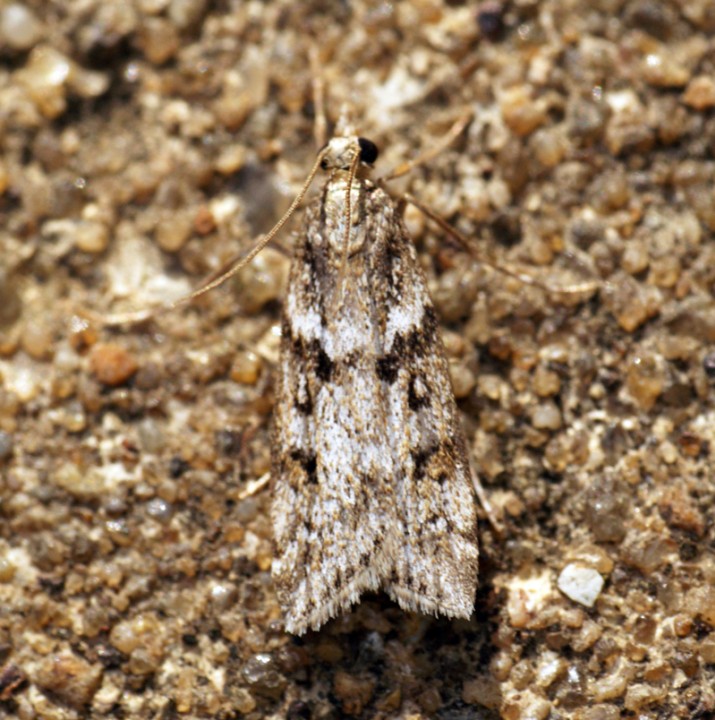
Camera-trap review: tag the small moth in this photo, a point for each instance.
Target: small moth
(372, 487)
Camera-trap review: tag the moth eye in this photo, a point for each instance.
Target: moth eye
(368, 151)
(324, 164)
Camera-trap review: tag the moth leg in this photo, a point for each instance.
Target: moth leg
(585, 288)
(255, 486)
(484, 501)
(445, 141)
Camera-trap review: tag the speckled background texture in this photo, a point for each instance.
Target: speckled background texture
(146, 142)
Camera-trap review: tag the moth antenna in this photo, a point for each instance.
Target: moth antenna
(445, 141)
(354, 165)
(576, 288)
(217, 278)
(484, 501)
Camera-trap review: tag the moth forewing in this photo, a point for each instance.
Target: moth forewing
(371, 481)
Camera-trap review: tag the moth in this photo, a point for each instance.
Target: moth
(371, 482)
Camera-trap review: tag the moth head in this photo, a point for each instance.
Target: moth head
(340, 152)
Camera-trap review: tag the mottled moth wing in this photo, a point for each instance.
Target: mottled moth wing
(371, 483)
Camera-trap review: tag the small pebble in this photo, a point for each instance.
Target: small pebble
(262, 676)
(550, 146)
(245, 702)
(483, 691)
(10, 301)
(662, 71)
(128, 635)
(184, 690)
(613, 685)
(173, 231)
(641, 695)
(159, 509)
(526, 705)
(231, 159)
(665, 271)
(7, 569)
(246, 367)
(587, 120)
(185, 13)
(626, 130)
(527, 598)
(546, 382)
(430, 700)
(645, 379)
(73, 417)
(37, 340)
(45, 76)
(223, 595)
(521, 112)
(6, 445)
(353, 691)
(707, 650)
(91, 236)
(159, 40)
(646, 551)
(635, 258)
(82, 483)
(70, 678)
(700, 93)
(112, 364)
(680, 510)
(546, 416)
(550, 668)
(454, 293)
(631, 303)
(463, 379)
(205, 222)
(20, 28)
(580, 584)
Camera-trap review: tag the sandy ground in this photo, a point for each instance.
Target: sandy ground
(145, 143)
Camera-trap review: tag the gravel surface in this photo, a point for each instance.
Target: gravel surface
(145, 143)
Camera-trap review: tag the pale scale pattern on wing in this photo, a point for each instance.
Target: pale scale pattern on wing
(371, 485)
